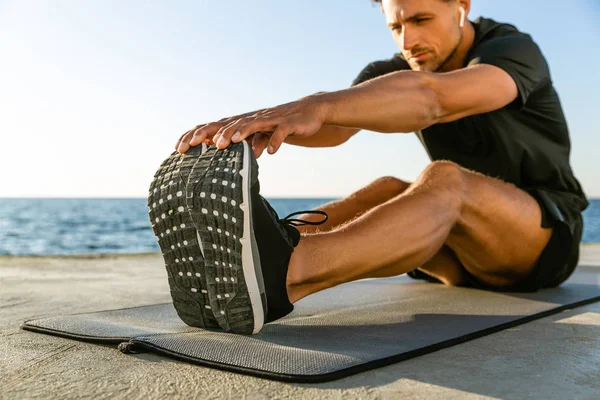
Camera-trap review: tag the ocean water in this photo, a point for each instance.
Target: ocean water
(91, 226)
(88, 226)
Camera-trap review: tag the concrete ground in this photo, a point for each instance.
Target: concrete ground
(557, 357)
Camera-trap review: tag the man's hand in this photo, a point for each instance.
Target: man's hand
(205, 132)
(270, 127)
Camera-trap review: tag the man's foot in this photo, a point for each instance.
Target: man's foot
(174, 228)
(246, 247)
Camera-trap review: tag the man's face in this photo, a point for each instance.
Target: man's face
(427, 27)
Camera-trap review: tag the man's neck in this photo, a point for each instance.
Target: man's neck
(458, 58)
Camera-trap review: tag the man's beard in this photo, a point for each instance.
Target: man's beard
(452, 53)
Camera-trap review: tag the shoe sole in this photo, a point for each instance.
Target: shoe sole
(219, 189)
(174, 228)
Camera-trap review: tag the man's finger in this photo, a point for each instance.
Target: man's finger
(254, 126)
(197, 135)
(256, 142)
(223, 136)
(228, 122)
(184, 143)
(204, 132)
(259, 143)
(185, 139)
(180, 139)
(281, 132)
(186, 136)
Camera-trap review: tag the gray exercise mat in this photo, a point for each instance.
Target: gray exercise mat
(334, 333)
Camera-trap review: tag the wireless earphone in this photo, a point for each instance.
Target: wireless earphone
(462, 17)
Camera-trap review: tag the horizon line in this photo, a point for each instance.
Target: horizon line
(140, 198)
(143, 198)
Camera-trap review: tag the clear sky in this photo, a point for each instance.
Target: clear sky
(94, 94)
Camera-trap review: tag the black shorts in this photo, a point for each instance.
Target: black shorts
(560, 256)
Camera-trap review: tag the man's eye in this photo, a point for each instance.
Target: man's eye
(420, 20)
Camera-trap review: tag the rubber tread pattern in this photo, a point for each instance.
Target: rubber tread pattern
(213, 185)
(174, 228)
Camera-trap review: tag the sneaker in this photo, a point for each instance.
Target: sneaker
(246, 247)
(174, 228)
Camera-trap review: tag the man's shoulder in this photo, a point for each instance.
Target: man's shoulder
(487, 29)
(505, 46)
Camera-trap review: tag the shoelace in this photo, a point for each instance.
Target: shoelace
(294, 221)
(300, 222)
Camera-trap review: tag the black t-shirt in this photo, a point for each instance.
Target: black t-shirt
(526, 142)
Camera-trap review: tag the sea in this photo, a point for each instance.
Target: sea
(117, 226)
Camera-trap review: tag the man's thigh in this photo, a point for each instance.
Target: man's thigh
(498, 238)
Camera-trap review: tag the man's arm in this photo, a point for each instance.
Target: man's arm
(408, 101)
(327, 136)
(403, 101)
(474, 90)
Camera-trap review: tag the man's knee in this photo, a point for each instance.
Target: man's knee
(443, 168)
(391, 182)
(444, 177)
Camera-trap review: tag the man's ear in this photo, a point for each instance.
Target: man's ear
(466, 8)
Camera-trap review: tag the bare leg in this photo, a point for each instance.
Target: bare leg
(444, 265)
(343, 211)
(492, 227)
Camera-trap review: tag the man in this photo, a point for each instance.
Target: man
(498, 208)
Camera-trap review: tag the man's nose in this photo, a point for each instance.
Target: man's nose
(410, 39)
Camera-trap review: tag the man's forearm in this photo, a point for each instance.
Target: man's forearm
(402, 101)
(327, 136)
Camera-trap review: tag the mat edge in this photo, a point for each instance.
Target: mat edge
(85, 338)
(370, 365)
